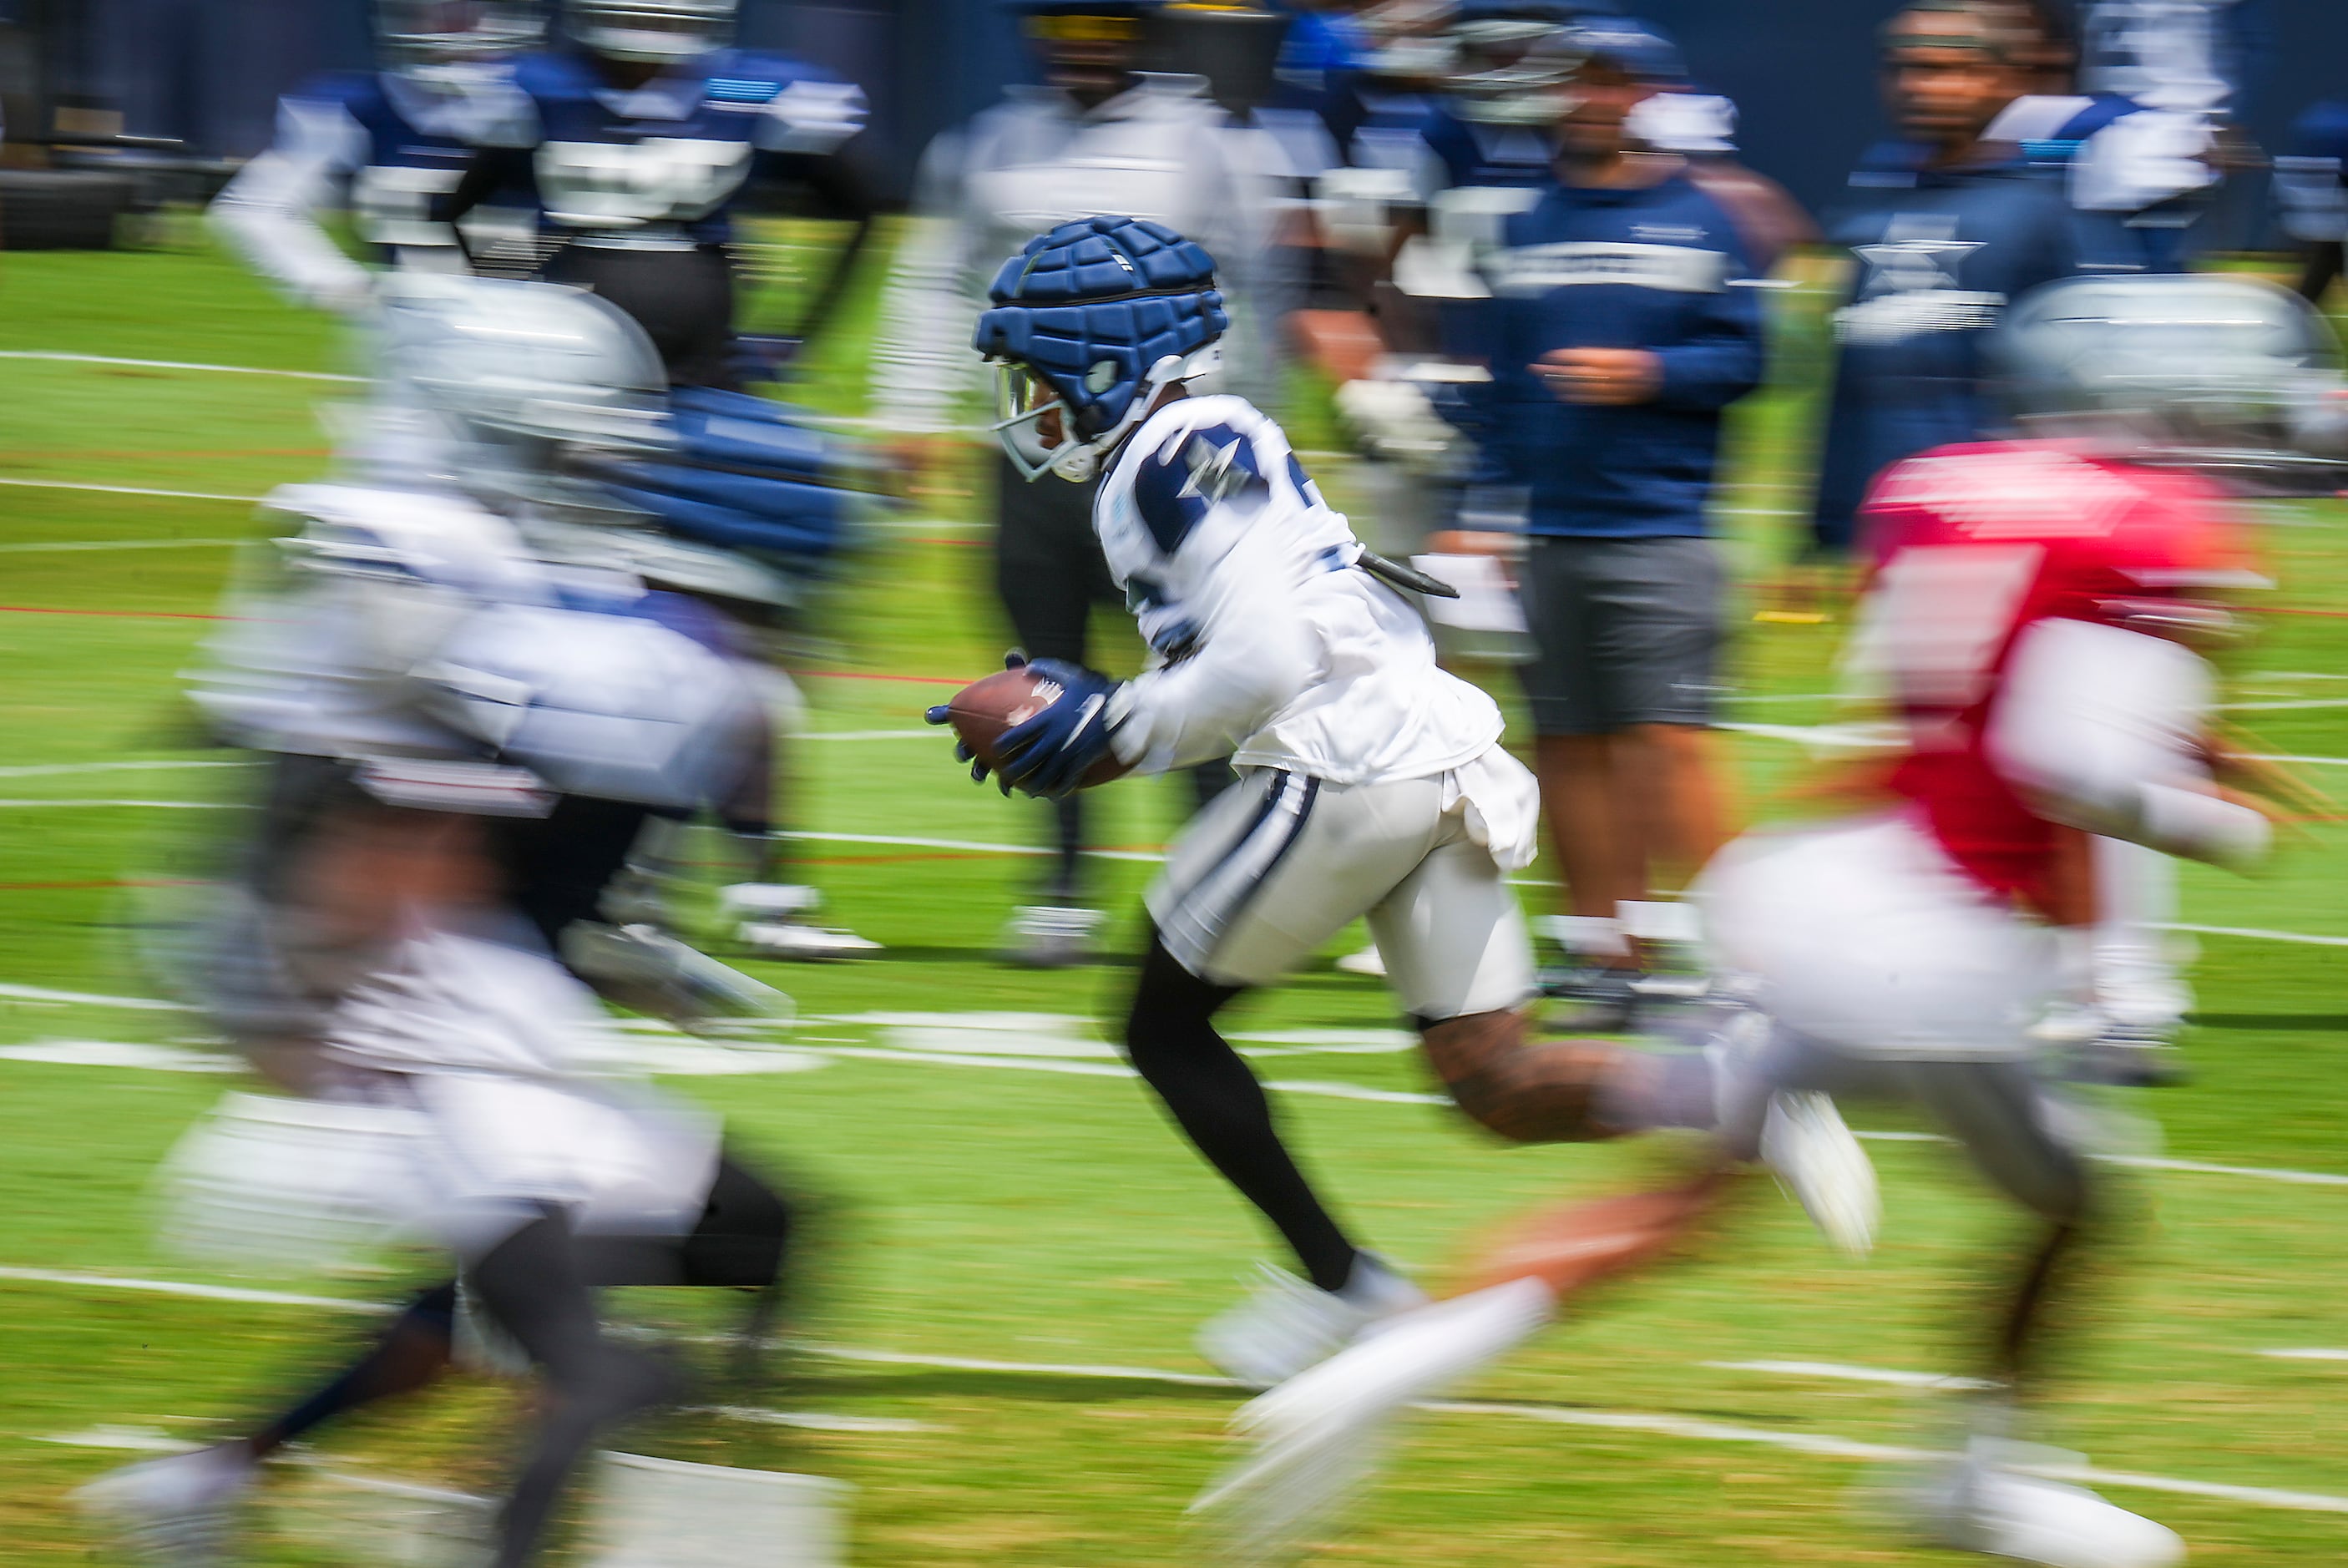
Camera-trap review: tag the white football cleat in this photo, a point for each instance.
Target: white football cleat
(771, 919)
(1289, 1323)
(1369, 960)
(176, 1512)
(796, 939)
(1976, 1506)
(1052, 935)
(1317, 1436)
(1804, 1140)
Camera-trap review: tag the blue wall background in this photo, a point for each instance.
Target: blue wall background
(207, 71)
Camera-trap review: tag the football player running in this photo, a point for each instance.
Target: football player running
(2035, 610)
(1372, 783)
(392, 145)
(651, 131)
(464, 739)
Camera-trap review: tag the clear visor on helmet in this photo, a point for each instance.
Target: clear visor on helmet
(1030, 420)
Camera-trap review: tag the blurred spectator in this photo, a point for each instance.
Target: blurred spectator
(1100, 136)
(1318, 62)
(2312, 193)
(1617, 333)
(1946, 230)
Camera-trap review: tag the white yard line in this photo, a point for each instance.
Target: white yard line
(1658, 1423)
(1838, 1371)
(79, 544)
(1149, 857)
(91, 999)
(2311, 1353)
(192, 1290)
(127, 490)
(2281, 705)
(2259, 933)
(43, 770)
(79, 801)
(173, 364)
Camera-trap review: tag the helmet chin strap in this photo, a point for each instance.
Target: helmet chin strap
(1078, 462)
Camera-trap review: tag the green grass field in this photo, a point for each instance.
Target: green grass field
(1005, 1233)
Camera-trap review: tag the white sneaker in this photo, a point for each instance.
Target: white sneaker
(1369, 960)
(1807, 1143)
(176, 1512)
(1977, 1507)
(1317, 1436)
(1052, 935)
(796, 939)
(1288, 1323)
(771, 919)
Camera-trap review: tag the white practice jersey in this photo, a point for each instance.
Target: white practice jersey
(386, 145)
(1162, 151)
(422, 638)
(1274, 648)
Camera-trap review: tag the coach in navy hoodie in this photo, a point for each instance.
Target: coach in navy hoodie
(1622, 323)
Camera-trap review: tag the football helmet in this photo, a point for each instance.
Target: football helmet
(651, 32)
(1089, 322)
(534, 366)
(411, 33)
(1507, 67)
(2220, 372)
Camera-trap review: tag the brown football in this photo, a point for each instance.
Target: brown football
(982, 710)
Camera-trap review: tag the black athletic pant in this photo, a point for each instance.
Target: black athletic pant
(1216, 1099)
(682, 299)
(537, 1285)
(1049, 573)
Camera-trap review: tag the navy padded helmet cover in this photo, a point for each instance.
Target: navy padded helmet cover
(1123, 292)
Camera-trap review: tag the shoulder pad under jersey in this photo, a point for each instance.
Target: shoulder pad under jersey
(417, 535)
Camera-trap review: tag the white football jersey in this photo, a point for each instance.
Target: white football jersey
(1273, 645)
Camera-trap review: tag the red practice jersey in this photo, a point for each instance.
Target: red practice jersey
(1971, 545)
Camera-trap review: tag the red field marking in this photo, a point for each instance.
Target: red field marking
(870, 675)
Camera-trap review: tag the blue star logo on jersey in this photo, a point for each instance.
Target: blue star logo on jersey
(1919, 251)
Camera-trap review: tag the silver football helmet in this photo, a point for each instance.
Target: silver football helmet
(412, 33)
(2223, 372)
(1511, 70)
(508, 362)
(651, 32)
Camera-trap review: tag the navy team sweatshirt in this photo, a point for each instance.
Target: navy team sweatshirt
(1658, 267)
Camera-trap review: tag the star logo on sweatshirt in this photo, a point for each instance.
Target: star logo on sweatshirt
(1212, 475)
(1919, 251)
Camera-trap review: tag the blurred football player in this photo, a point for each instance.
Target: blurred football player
(1372, 783)
(2311, 193)
(649, 133)
(2035, 613)
(392, 145)
(1100, 136)
(464, 738)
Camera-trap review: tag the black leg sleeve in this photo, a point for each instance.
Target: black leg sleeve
(1211, 1092)
(532, 1284)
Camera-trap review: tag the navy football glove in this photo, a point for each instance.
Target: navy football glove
(1048, 754)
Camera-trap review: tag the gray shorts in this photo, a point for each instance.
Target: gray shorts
(1625, 631)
